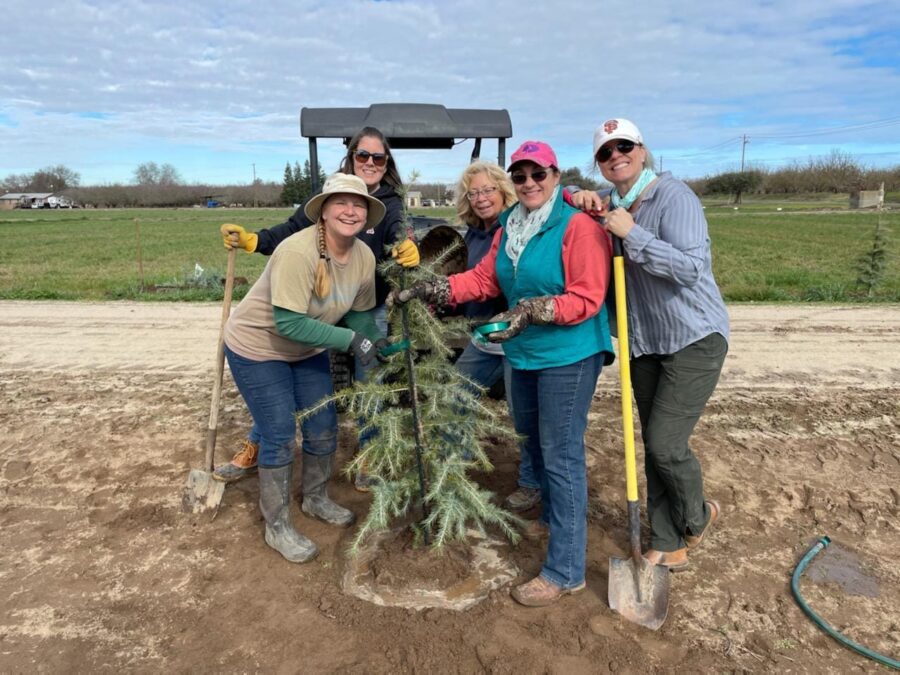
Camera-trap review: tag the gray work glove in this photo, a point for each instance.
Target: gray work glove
(539, 311)
(364, 349)
(434, 292)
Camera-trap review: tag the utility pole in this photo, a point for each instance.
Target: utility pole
(254, 186)
(744, 141)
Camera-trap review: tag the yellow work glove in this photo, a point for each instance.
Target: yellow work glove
(406, 253)
(245, 240)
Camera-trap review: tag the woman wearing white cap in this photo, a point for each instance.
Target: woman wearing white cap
(552, 263)
(276, 342)
(678, 329)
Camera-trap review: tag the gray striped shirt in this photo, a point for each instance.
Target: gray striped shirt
(673, 299)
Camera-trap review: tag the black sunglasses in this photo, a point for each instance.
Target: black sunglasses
(378, 158)
(624, 146)
(538, 177)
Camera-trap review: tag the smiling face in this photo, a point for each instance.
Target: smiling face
(486, 206)
(344, 216)
(533, 194)
(367, 170)
(622, 170)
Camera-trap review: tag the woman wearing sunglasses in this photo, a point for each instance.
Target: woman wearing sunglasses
(552, 263)
(368, 157)
(678, 329)
(276, 341)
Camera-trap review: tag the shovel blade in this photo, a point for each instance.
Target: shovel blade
(201, 493)
(642, 597)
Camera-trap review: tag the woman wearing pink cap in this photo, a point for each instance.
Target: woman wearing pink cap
(678, 329)
(552, 263)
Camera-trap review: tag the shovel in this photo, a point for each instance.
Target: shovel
(202, 492)
(638, 590)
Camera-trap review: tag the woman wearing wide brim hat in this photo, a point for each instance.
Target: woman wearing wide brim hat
(678, 329)
(368, 156)
(276, 343)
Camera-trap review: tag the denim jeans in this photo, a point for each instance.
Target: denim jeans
(671, 392)
(275, 391)
(361, 373)
(550, 408)
(486, 369)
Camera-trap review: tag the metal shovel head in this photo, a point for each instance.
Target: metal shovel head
(202, 492)
(642, 598)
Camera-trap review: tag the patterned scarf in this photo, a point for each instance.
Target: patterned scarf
(625, 202)
(522, 226)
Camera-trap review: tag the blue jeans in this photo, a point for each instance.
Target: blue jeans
(486, 369)
(361, 373)
(275, 391)
(550, 409)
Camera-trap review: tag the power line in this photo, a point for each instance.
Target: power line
(863, 126)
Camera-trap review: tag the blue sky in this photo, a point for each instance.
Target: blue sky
(216, 88)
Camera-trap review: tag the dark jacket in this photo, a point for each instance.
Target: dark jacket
(478, 243)
(388, 232)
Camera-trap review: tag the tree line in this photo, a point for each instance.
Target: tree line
(837, 173)
(161, 185)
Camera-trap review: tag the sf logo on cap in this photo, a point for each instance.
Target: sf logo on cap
(610, 126)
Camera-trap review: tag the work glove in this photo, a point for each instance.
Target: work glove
(406, 253)
(539, 311)
(245, 240)
(433, 292)
(364, 349)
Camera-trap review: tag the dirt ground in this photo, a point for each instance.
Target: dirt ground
(103, 409)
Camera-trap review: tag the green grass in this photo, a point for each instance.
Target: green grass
(760, 253)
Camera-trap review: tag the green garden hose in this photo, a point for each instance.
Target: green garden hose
(821, 545)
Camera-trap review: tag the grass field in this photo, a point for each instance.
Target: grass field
(767, 250)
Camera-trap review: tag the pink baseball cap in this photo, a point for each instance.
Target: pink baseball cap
(534, 151)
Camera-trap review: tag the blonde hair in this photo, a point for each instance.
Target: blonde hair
(323, 281)
(497, 175)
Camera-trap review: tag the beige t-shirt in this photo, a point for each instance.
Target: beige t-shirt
(288, 282)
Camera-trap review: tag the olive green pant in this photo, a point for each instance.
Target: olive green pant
(671, 392)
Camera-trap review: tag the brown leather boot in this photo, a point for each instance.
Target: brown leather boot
(675, 561)
(693, 541)
(242, 464)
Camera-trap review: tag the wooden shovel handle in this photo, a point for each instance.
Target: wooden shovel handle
(208, 463)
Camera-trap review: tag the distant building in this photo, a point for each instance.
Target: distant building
(413, 199)
(25, 200)
(34, 200)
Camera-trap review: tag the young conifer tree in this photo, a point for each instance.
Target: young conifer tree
(454, 424)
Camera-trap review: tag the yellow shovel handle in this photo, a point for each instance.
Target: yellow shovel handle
(625, 372)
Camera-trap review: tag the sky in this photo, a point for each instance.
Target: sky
(216, 88)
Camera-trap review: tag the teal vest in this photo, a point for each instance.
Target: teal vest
(540, 272)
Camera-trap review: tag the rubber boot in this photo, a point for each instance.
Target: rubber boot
(316, 472)
(275, 504)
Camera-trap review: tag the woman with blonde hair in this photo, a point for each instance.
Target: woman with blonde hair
(276, 342)
(483, 192)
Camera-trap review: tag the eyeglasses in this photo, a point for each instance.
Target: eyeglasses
(623, 145)
(378, 158)
(521, 178)
(473, 195)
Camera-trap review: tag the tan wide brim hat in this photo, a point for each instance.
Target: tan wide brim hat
(343, 183)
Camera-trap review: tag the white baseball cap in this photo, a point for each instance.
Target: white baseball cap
(614, 129)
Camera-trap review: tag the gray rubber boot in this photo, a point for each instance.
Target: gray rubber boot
(275, 504)
(316, 472)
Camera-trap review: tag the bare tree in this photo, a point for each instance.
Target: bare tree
(151, 173)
